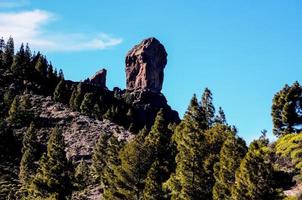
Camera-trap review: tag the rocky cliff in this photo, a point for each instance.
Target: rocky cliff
(145, 65)
(99, 78)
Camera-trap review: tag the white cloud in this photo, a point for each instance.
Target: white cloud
(27, 26)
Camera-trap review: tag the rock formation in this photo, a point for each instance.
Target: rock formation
(145, 65)
(99, 78)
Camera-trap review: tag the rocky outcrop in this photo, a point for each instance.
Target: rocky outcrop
(99, 78)
(146, 105)
(145, 65)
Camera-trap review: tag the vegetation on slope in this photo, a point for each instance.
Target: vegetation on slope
(199, 157)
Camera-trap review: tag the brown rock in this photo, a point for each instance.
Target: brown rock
(145, 65)
(99, 78)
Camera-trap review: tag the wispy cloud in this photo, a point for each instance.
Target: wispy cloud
(13, 3)
(28, 26)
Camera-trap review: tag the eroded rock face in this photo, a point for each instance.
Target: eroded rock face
(99, 78)
(145, 65)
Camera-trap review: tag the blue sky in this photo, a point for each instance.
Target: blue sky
(243, 50)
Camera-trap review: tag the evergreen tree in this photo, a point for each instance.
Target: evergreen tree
(22, 63)
(52, 178)
(289, 147)
(2, 46)
(214, 139)
(136, 159)
(97, 111)
(153, 188)
(254, 178)
(8, 97)
(113, 163)
(61, 94)
(28, 69)
(79, 96)
(82, 175)
(231, 154)
(50, 73)
(9, 52)
(51, 77)
(25, 105)
(135, 162)
(25, 115)
(88, 104)
(220, 118)
(110, 114)
(287, 109)
(207, 106)
(99, 157)
(14, 117)
(27, 165)
(189, 179)
(61, 74)
(41, 67)
(162, 150)
(72, 99)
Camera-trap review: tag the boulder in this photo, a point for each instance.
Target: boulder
(145, 65)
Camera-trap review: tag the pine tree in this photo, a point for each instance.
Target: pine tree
(220, 118)
(113, 163)
(72, 99)
(254, 178)
(41, 66)
(2, 46)
(189, 179)
(79, 96)
(61, 74)
(110, 114)
(28, 69)
(214, 139)
(136, 159)
(135, 163)
(289, 148)
(88, 104)
(9, 52)
(8, 97)
(97, 111)
(153, 188)
(60, 93)
(27, 165)
(231, 154)
(99, 157)
(82, 175)
(21, 65)
(52, 178)
(14, 114)
(207, 106)
(50, 73)
(286, 110)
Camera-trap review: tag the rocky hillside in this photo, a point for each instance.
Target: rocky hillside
(33, 92)
(80, 131)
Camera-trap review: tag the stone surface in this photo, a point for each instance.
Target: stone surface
(145, 65)
(99, 78)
